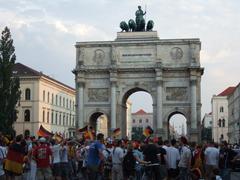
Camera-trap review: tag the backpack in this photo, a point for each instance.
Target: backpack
(129, 162)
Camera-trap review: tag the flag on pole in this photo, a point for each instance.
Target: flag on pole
(44, 132)
(116, 132)
(147, 131)
(88, 135)
(58, 137)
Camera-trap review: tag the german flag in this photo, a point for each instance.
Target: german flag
(88, 135)
(147, 131)
(116, 132)
(44, 133)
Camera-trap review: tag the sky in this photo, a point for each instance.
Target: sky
(45, 32)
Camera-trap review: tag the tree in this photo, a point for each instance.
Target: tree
(9, 85)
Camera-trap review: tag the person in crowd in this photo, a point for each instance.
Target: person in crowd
(151, 152)
(139, 160)
(211, 160)
(72, 158)
(42, 154)
(95, 158)
(65, 167)
(3, 153)
(173, 158)
(56, 165)
(128, 164)
(107, 161)
(226, 155)
(197, 158)
(162, 148)
(15, 159)
(185, 159)
(117, 158)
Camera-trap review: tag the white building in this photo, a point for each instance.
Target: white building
(220, 115)
(44, 101)
(142, 119)
(207, 120)
(234, 115)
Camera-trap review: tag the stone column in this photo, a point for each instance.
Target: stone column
(159, 106)
(80, 104)
(193, 104)
(113, 105)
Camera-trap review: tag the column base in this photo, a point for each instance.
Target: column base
(160, 132)
(194, 135)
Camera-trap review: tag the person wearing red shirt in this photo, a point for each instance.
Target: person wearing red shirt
(42, 154)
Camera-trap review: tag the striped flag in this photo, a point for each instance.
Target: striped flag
(44, 132)
(147, 131)
(116, 132)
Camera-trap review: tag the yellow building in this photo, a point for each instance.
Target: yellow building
(44, 101)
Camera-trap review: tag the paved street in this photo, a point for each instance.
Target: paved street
(235, 176)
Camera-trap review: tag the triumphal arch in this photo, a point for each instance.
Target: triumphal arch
(108, 72)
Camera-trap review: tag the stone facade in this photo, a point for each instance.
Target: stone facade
(44, 101)
(234, 116)
(108, 72)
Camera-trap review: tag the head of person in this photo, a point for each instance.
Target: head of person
(183, 140)
(139, 7)
(166, 142)
(173, 142)
(100, 137)
(42, 140)
(19, 138)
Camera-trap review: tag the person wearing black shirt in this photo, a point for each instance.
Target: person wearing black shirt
(151, 153)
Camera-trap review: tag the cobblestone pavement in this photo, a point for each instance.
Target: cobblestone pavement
(235, 176)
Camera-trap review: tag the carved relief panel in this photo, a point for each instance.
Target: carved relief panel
(98, 94)
(176, 94)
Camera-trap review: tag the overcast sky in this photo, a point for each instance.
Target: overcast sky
(45, 31)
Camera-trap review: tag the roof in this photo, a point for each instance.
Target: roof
(227, 91)
(23, 70)
(140, 112)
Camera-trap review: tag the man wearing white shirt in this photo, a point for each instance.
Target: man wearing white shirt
(211, 160)
(56, 159)
(117, 158)
(173, 157)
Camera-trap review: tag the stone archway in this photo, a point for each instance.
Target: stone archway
(99, 122)
(122, 115)
(169, 69)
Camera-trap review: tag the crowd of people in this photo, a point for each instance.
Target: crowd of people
(29, 158)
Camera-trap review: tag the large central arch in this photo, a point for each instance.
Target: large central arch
(108, 71)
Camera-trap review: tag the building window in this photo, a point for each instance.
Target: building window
(73, 122)
(221, 109)
(47, 117)
(63, 102)
(52, 118)
(56, 100)
(27, 115)
(43, 114)
(147, 121)
(52, 98)
(48, 94)
(67, 103)
(43, 95)
(223, 123)
(56, 117)
(134, 120)
(70, 103)
(27, 94)
(64, 120)
(140, 120)
(67, 120)
(219, 122)
(60, 101)
(60, 119)
(73, 105)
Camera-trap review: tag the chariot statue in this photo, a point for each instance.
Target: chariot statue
(138, 24)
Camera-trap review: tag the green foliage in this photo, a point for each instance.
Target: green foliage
(9, 85)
